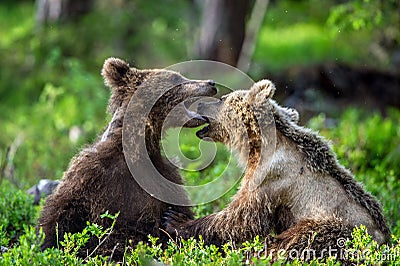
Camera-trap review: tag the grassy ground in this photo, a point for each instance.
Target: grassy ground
(297, 34)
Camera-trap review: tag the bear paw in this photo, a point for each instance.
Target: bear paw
(173, 221)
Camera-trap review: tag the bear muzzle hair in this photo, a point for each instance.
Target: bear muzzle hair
(208, 110)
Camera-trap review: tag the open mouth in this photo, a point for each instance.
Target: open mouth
(195, 119)
(202, 133)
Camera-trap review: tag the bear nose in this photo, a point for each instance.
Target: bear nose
(211, 82)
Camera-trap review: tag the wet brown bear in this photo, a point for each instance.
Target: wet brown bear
(303, 189)
(98, 178)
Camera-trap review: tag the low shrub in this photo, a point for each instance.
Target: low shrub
(16, 211)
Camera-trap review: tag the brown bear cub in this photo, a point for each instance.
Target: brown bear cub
(98, 178)
(303, 195)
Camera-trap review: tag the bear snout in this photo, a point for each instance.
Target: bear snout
(213, 89)
(209, 86)
(201, 88)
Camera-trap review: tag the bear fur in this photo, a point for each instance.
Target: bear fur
(304, 195)
(98, 178)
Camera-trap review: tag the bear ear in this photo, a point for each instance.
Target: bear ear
(116, 72)
(261, 91)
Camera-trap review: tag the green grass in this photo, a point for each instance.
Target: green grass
(295, 33)
(303, 44)
(360, 249)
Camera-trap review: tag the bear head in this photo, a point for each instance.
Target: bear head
(170, 88)
(236, 119)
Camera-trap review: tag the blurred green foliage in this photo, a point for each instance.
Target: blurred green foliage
(369, 146)
(297, 33)
(16, 211)
(361, 14)
(49, 122)
(50, 82)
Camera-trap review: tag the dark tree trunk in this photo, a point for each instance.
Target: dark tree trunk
(61, 10)
(222, 30)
